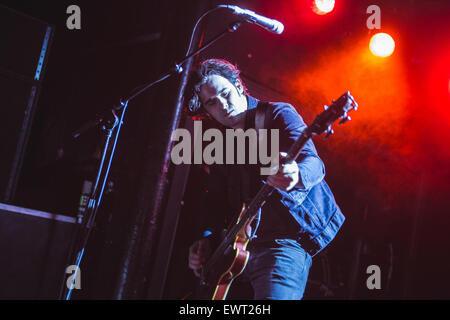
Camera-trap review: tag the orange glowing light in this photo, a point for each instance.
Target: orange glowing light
(323, 6)
(382, 45)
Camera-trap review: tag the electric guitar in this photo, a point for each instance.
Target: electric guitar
(234, 244)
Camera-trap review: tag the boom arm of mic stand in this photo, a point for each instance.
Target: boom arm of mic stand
(177, 69)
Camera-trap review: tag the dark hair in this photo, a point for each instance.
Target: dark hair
(199, 76)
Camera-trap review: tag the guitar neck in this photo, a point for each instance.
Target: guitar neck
(256, 203)
(297, 146)
(264, 193)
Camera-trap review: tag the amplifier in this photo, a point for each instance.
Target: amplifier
(34, 248)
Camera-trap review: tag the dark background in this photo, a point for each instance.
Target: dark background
(388, 168)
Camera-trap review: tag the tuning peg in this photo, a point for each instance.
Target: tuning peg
(354, 104)
(345, 119)
(329, 131)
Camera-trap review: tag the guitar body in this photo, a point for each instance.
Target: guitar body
(238, 264)
(229, 265)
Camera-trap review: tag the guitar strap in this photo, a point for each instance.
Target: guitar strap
(260, 117)
(261, 122)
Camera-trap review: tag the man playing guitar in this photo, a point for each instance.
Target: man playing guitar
(299, 218)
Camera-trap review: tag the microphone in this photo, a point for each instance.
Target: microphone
(249, 16)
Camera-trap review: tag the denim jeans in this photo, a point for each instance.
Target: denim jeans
(277, 270)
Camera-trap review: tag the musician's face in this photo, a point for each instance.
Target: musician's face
(225, 102)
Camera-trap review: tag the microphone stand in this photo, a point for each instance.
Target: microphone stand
(109, 121)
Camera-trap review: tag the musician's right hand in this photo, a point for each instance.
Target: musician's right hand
(199, 253)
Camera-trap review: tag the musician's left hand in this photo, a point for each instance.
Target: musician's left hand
(286, 177)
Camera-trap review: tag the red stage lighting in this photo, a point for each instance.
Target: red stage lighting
(382, 45)
(323, 6)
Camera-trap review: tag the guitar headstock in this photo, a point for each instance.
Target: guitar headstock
(338, 110)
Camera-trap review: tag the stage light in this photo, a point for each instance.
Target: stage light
(323, 6)
(382, 45)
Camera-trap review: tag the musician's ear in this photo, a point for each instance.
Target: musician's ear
(239, 86)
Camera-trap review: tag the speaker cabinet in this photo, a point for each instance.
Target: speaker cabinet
(34, 248)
